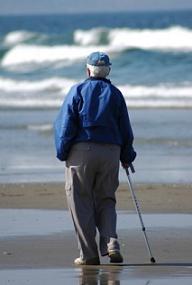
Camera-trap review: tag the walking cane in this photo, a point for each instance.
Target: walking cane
(152, 259)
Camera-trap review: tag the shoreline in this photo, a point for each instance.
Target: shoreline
(159, 198)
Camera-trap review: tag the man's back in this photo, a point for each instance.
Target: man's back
(99, 106)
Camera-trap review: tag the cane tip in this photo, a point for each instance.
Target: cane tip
(153, 260)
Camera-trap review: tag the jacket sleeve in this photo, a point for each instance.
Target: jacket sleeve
(66, 125)
(128, 153)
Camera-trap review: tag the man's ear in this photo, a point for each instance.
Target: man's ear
(88, 72)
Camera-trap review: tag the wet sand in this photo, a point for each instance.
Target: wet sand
(36, 259)
(58, 250)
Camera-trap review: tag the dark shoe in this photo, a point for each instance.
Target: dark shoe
(92, 261)
(115, 256)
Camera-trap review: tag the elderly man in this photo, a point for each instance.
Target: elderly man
(92, 134)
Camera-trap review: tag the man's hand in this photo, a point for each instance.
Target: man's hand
(125, 165)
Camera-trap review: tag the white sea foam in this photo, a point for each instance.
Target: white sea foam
(30, 103)
(54, 84)
(17, 37)
(159, 103)
(117, 40)
(173, 38)
(89, 37)
(50, 103)
(161, 91)
(25, 54)
(49, 93)
(59, 84)
(157, 96)
(41, 128)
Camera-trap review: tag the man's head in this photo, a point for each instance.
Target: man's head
(98, 64)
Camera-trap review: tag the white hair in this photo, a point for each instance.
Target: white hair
(99, 71)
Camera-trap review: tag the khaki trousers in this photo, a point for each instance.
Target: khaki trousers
(91, 181)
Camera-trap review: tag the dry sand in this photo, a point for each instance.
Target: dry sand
(161, 198)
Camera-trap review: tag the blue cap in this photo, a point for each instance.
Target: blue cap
(98, 59)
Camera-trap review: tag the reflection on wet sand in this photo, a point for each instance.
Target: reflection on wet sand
(136, 274)
(95, 276)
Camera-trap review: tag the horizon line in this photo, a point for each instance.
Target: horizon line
(91, 12)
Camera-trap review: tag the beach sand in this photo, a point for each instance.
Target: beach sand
(169, 198)
(33, 257)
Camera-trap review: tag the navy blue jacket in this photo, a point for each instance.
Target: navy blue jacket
(94, 111)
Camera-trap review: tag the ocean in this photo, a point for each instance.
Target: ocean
(41, 57)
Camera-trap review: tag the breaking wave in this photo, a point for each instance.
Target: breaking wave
(17, 37)
(95, 36)
(25, 54)
(52, 84)
(49, 93)
(86, 41)
(173, 38)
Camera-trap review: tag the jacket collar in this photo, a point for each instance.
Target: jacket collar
(98, 78)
